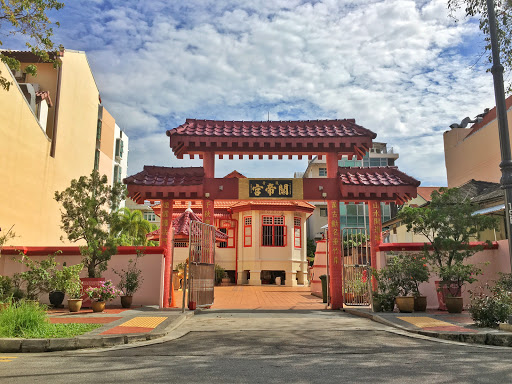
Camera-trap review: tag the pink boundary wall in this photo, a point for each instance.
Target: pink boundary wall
(319, 268)
(151, 264)
(498, 258)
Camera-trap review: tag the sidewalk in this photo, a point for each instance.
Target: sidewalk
(119, 326)
(439, 324)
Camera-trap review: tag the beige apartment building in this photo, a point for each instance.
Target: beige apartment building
(53, 128)
(473, 152)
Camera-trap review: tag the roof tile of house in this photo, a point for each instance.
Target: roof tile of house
(167, 176)
(282, 129)
(376, 176)
(425, 192)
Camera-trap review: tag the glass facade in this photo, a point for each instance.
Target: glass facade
(353, 215)
(366, 162)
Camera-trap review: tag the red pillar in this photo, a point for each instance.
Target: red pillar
(334, 237)
(166, 233)
(209, 173)
(374, 217)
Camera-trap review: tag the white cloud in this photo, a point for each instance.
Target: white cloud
(393, 65)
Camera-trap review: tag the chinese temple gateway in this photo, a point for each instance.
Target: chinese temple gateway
(330, 138)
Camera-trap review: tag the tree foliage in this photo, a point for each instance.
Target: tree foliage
(448, 224)
(30, 19)
(132, 228)
(503, 11)
(89, 211)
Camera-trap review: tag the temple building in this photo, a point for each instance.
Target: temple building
(265, 239)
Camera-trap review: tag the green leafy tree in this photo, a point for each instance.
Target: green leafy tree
(88, 212)
(132, 228)
(503, 11)
(28, 18)
(449, 225)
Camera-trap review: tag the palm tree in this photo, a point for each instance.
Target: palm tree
(132, 228)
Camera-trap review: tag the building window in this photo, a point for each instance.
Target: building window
(322, 171)
(149, 216)
(273, 231)
(297, 230)
(248, 231)
(323, 212)
(98, 131)
(97, 160)
(119, 148)
(117, 173)
(230, 241)
(180, 244)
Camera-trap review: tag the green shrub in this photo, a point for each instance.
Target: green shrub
(490, 310)
(29, 320)
(21, 318)
(6, 289)
(219, 273)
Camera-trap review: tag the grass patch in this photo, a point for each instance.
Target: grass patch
(29, 320)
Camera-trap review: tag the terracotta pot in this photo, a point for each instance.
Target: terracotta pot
(420, 303)
(126, 301)
(445, 289)
(405, 303)
(98, 306)
(74, 305)
(454, 304)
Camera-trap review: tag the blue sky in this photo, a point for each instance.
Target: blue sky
(401, 68)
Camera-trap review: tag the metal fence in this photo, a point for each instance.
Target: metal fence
(356, 267)
(201, 264)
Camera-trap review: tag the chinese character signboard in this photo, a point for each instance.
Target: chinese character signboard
(270, 188)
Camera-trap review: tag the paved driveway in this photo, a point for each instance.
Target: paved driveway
(266, 297)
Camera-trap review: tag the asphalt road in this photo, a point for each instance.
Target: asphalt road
(271, 347)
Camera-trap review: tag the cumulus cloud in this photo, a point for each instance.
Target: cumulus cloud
(396, 66)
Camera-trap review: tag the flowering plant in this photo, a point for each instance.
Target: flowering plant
(105, 292)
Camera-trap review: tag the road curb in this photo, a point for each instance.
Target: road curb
(84, 342)
(484, 338)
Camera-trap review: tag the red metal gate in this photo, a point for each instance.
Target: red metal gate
(201, 264)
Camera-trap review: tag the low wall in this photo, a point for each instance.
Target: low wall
(498, 260)
(151, 264)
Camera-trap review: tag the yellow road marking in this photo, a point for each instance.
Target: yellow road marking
(425, 322)
(144, 322)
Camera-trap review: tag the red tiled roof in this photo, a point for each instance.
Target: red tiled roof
(287, 129)
(235, 174)
(378, 176)
(44, 95)
(181, 226)
(425, 192)
(490, 116)
(167, 176)
(270, 137)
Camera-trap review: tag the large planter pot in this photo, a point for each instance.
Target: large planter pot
(74, 305)
(56, 298)
(454, 304)
(126, 301)
(405, 303)
(86, 283)
(420, 303)
(227, 281)
(98, 306)
(445, 289)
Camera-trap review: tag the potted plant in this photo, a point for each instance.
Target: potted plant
(415, 266)
(73, 288)
(454, 277)
(219, 274)
(398, 273)
(130, 282)
(100, 295)
(384, 297)
(448, 224)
